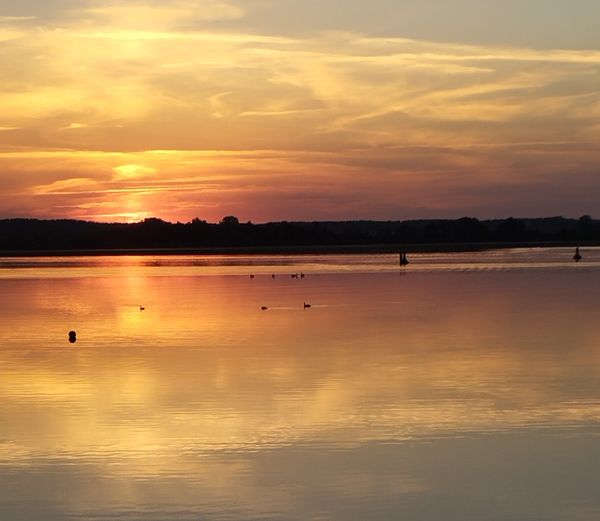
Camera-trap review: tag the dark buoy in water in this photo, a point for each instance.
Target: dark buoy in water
(72, 337)
(577, 257)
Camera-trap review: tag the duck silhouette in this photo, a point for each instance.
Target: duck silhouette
(577, 257)
(306, 305)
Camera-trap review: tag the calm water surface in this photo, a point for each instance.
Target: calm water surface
(465, 387)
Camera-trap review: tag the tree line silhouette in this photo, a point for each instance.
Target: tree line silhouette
(153, 233)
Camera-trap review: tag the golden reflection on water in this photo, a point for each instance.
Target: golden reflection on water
(203, 383)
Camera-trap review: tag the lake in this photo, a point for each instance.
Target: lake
(464, 387)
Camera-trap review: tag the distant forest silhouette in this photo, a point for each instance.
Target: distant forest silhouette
(47, 235)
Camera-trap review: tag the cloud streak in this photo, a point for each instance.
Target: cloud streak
(86, 102)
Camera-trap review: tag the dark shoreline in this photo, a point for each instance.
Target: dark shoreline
(303, 250)
(34, 237)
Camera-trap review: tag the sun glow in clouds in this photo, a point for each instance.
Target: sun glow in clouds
(132, 171)
(272, 122)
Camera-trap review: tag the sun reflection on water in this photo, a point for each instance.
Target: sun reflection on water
(202, 382)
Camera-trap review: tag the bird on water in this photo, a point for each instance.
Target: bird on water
(306, 305)
(577, 257)
(403, 259)
(72, 337)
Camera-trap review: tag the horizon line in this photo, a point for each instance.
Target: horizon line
(348, 220)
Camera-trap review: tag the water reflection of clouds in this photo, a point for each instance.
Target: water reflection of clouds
(474, 478)
(203, 391)
(230, 377)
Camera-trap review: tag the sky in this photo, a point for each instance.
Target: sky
(288, 110)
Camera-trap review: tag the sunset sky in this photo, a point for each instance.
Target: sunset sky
(281, 109)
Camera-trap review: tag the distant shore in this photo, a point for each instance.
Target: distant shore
(303, 250)
(35, 237)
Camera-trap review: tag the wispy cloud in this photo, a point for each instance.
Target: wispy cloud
(12, 19)
(397, 122)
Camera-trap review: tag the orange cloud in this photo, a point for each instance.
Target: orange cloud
(277, 121)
